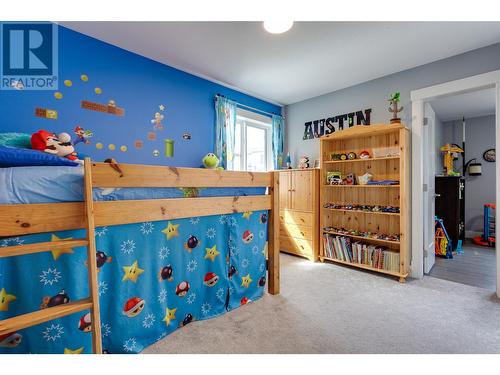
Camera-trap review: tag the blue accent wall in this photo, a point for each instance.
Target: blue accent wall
(135, 83)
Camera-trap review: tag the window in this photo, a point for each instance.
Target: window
(253, 142)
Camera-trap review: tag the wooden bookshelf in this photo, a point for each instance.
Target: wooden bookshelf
(394, 167)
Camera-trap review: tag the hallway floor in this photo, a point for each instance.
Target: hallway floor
(475, 267)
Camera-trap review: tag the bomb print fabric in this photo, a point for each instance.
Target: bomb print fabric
(153, 278)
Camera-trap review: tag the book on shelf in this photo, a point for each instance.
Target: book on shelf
(344, 249)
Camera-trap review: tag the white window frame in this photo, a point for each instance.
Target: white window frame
(252, 119)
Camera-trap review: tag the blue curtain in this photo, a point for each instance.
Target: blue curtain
(278, 140)
(225, 124)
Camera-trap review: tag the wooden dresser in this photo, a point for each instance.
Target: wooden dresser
(299, 212)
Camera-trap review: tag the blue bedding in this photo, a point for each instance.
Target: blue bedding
(65, 184)
(154, 277)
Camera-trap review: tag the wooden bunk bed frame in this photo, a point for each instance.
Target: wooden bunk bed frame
(22, 219)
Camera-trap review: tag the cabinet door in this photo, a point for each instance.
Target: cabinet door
(302, 190)
(448, 206)
(285, 189)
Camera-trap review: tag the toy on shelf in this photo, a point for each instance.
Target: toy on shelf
(386, 152)
(339, 156)
(334, 178)
(364, 155)
(304, 162)
(51, 143)
(364, 179)
(394, 109)
(351, 155)
(442, 242)
(350, 179)
(489, 227)
(383, 182)
(450, 154)
(362, 208)
(335, 156)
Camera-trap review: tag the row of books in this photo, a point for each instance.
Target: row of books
(343, 248)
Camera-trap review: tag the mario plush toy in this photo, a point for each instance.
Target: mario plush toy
(51, 143)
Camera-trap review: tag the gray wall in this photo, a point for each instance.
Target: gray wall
(373, 94)
(479, 136)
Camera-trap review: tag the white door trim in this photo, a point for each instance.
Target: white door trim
(417, 194)
(472, 83)
(418, 98)
(497, 196)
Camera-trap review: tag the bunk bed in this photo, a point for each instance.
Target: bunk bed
(153, 262)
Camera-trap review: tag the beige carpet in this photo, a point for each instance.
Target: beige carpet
(325, 308)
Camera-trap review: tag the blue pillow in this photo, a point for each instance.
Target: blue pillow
(21, 157)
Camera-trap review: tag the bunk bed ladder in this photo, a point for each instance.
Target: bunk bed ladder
(91, 303)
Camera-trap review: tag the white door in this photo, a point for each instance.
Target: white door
(429, 174)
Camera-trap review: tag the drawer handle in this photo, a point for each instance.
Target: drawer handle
(302, 220)
(302, 233)
(302, 247)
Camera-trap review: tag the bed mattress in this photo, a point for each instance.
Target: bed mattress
(50, 184)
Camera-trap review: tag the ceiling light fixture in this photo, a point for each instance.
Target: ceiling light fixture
(278, 26)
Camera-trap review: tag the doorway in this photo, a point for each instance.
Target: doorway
(423, 191)
(460, 130)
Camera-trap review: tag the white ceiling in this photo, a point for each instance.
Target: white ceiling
(311, 59)
(468, 105)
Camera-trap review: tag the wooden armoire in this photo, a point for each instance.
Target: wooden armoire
(299, 215)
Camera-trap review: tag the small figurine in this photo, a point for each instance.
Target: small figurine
(364, 155)
(349, 179)
(351, 155)
(288, 161)
(394, 100)
(334, 178)
(334, 156)
(304, 162)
